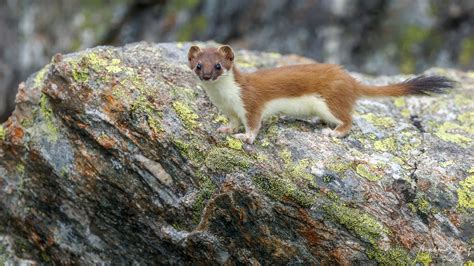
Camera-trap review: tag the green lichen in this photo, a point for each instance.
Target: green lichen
(206, 190)
(294, 170)
(466, 192)
(386, 144)
(462, 100)
(186, 114)
(396, 256)
(20, 168)
(3, 133)
(246, 62)
(26, 123)
(234, 143)
(103, 64)
(399, 102)
(289, 183)
(423, 205)
(48, 117)
(384, 122)
(444, 133)
(227, 160)
(424, 258)
(192, 150)
(412, 207)
(221, 119)
(363, 225)
(40, 76)
(469, 263)
(184, 93)
(366, 172)
(338, 167)
(281, 188)
(467, 121)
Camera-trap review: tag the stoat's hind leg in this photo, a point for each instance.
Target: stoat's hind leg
(339, 132)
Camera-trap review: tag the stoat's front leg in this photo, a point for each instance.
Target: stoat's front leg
(233, 127)
(252, 126)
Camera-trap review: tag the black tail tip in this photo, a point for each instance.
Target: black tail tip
(427, 85)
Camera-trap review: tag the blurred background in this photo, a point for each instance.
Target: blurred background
(369, 36)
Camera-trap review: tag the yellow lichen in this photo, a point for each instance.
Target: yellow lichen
(47, 113)
(186, 114)
(39, 78)
(444, 130)
(3, 133)
(424, 258)
(361, 224)
(466, 192)
(364, 171)
(295, 170)
(234, 143)
(221, 119)
(227, 160)
(281, 187)
(385, 122)
(387, 144)
(339, 167)
(399, 102)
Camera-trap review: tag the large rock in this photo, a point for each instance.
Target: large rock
(112, 155)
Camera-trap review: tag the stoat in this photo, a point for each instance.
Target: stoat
(322, 90)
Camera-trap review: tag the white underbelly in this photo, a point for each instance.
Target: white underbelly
(304, 106)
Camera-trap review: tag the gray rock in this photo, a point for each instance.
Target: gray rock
(112, 156)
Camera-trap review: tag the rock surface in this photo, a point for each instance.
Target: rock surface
(112, 156)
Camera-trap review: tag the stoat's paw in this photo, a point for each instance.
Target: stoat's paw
(245, 138)
(225, 129)
(332, 133)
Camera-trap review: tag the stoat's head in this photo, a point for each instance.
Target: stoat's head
(210, 64)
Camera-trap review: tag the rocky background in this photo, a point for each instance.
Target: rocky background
(375, 37)
(112, 157)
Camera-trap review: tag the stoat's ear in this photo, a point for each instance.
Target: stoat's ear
(193, 52)
(227, 51)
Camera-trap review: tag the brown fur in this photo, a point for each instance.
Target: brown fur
(331, 82)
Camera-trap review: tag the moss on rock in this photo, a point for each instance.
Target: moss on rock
(363, 225)
(227, 160)
(394, 256)
(206, 189)
(282, 188)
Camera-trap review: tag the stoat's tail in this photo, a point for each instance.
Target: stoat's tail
(421, 85)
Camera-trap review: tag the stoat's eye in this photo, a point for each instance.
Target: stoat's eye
(198, 66)
(218, 66)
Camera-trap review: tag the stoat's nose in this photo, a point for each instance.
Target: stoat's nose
(206, 77)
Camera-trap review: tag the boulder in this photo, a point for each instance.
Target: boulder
(112, 156)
